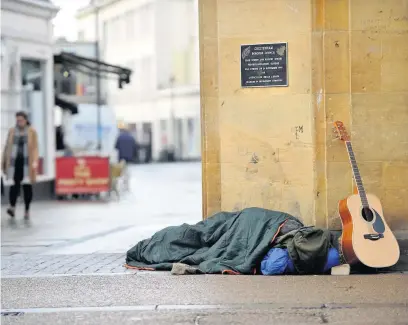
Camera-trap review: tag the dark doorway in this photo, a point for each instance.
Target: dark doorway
(147, 141)
(180, 144)
(132, 127)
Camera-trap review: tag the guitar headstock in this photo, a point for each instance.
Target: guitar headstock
(341, 131)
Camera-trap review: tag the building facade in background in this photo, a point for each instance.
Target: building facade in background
(27, 74)
(158, 40)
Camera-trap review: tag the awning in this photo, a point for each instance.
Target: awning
(90, 67)
(72, 107)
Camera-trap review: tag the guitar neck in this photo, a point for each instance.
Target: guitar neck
(356, 174)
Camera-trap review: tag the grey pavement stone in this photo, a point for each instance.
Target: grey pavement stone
(68, 238)
(205, 316)
(151, 289)
(74, 228)
(62, 264)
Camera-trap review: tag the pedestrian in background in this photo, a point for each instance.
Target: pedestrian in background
(20, 162)
(126, 146)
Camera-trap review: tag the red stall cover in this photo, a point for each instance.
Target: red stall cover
(78, 175)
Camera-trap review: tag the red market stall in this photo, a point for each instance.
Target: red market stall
(86, 128)
(82, 175)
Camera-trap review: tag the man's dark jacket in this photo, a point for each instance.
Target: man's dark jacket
(126, 146)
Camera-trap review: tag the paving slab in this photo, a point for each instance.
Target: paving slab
(160, 298)
(155, 288)
(40, 265)
(244, 316)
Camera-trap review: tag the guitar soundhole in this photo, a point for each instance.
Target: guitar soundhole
(367, 214)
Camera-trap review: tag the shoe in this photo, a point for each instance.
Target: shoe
(27, 216)
(10, 212)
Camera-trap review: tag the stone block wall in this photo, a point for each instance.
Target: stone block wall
(273, 147)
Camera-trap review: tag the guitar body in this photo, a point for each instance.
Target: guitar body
(369, 242)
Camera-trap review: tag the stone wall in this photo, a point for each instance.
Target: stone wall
(272, 147)
(359, 62)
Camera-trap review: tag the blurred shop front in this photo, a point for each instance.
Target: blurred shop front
(27, 77)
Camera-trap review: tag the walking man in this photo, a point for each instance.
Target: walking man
(20, 162)
(126, 146)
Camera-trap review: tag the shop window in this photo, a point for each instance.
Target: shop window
(34, 102)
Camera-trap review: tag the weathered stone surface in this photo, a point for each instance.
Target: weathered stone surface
(346, 61)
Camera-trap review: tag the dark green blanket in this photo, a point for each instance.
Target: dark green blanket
(226, 242)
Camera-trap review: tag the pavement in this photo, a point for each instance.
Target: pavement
(66, 267)
(159, 298)
(161, 195)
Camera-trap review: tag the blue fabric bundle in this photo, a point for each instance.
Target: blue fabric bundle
(277, 261)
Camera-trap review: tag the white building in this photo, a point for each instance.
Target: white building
(158, 40)
(27, 75)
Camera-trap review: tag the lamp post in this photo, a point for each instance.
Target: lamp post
(98, 80)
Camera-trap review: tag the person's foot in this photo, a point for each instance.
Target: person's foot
(27, 215)
(10, 212)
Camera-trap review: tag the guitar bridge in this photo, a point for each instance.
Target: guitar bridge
(373, 236)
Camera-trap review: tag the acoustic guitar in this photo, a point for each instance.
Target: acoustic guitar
(366, 237)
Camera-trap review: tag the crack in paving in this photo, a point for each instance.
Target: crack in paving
(197, 320)
(259, 306)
